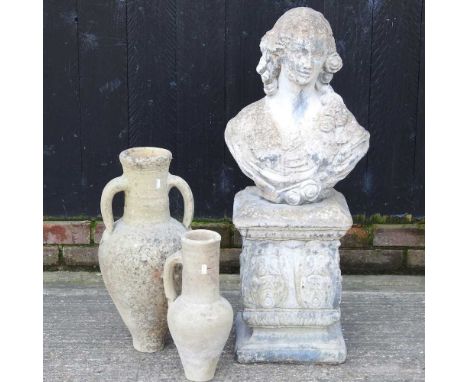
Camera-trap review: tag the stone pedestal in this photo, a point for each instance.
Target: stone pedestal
(290, 279)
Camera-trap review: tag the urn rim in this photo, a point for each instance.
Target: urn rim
(145, 157)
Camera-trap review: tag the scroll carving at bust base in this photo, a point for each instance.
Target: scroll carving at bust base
(300, 140)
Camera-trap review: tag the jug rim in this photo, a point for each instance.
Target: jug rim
(201, 236)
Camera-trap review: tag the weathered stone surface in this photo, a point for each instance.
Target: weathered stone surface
(80, 256)
(291, 280)
(398, 235)
(416, 259)
(291, 291)
(258, 218)
(356, 237)
(66, 232)
(371, 260)
(300, 140)
(199, 319)
(50, 255)
(85, 339)
(133, 249)
(224, 229)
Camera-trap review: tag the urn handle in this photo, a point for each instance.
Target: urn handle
(168, 275)
(183, 187)
(113, 187)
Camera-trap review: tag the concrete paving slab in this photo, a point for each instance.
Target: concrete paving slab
(85, 339)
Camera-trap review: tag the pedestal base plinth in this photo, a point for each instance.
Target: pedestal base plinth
(289, 345)
(290, 280)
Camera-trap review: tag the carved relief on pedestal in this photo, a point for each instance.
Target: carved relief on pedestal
(317, 276)
(267, 266)
(263, 285)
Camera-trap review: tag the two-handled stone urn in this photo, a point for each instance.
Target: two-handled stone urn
(133, 249)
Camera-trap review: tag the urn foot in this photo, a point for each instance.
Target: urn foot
(146, 344)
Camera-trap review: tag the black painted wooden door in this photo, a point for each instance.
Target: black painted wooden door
(171, 73)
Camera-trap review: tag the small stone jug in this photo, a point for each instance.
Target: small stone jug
(133, 249)
(199, 319)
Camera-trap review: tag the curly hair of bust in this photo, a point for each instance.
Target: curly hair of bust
(298, 24)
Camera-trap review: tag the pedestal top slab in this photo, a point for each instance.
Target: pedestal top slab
(252, 211)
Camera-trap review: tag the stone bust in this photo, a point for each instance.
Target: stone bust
(299, 140)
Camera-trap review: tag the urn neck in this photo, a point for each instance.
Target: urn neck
(200, 258)
(146, 198)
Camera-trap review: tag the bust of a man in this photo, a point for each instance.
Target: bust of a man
(299, 140)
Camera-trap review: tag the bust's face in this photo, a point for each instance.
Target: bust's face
(303, 61)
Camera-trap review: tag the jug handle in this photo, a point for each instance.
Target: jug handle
(168, 275)
(183, 187)
(113, 187)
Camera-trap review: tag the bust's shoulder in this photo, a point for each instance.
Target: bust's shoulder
(333, 102)
(248, 116)
(334, 107)
(350, 130)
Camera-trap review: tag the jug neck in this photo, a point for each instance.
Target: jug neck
(200, 273)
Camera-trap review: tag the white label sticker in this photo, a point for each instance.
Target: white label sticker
(204, 269)
(158, 183)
